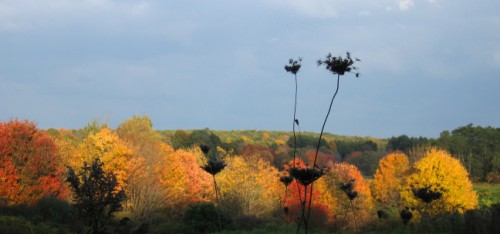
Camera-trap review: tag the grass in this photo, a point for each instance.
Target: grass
(488, 194)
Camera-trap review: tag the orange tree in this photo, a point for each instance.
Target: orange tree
(443, 177)
(30, 166)
(353, 199)
(389, 179)
(183, 179)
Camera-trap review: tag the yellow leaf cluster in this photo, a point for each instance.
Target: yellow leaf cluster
(249, 186)
(440, 172)
(110, 149)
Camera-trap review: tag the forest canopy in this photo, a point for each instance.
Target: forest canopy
(165, 171)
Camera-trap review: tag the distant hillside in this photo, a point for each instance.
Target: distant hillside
(267, 138)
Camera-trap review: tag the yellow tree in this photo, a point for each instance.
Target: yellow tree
(112, 151)
(443, 177)
(145, 192)
(249, 186)
(389, 178)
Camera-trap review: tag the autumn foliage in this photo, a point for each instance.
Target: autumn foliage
(183, 179)
(343, 216)
(30, 167)
(389, 179)
(320, 212)
(249, 186)
(110, 149)
(439, 172)
(160, 181)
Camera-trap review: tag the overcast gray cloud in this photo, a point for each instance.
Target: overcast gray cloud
(427, 65)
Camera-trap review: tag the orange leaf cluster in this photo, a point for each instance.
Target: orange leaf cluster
(389, 179)
(362, 204)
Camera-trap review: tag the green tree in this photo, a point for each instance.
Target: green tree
(307, 141)
(366, 162)
(405, 144)
(92, 127)
(96, 198)
(204, 137)
(347, 147)
(475, 146)
(180, 140)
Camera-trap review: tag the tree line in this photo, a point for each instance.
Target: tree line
(477, 147)
(155, 185)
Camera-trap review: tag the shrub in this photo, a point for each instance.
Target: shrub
(484, 220)
(203, 218)
(55, 210)
(19, 225)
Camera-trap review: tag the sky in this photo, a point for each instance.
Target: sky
(426, 65)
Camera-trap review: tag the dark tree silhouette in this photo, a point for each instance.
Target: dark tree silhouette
(214, 165)
(95, 194)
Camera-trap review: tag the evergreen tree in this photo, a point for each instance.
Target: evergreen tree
(95, 194)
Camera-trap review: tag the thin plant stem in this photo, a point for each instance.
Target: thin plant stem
(294, 119)
(306, 219)
(326, 118)
(303, 207)
(300, 140)
(284, 198)
(319, 140)
(217, 201)
(284, 202)
(310, 203)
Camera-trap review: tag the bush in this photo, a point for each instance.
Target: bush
(484, 220)
(49, 213)
(9, 224)
(204, 218)
(249, 222)
(55, 210)
(19, 225)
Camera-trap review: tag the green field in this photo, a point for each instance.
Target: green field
(488, 194)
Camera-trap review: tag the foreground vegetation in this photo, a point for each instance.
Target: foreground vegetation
(168, 182)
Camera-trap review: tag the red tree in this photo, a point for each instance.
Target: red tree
(319, 211)
(31, 162)
(298, 195)
(9, 187)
